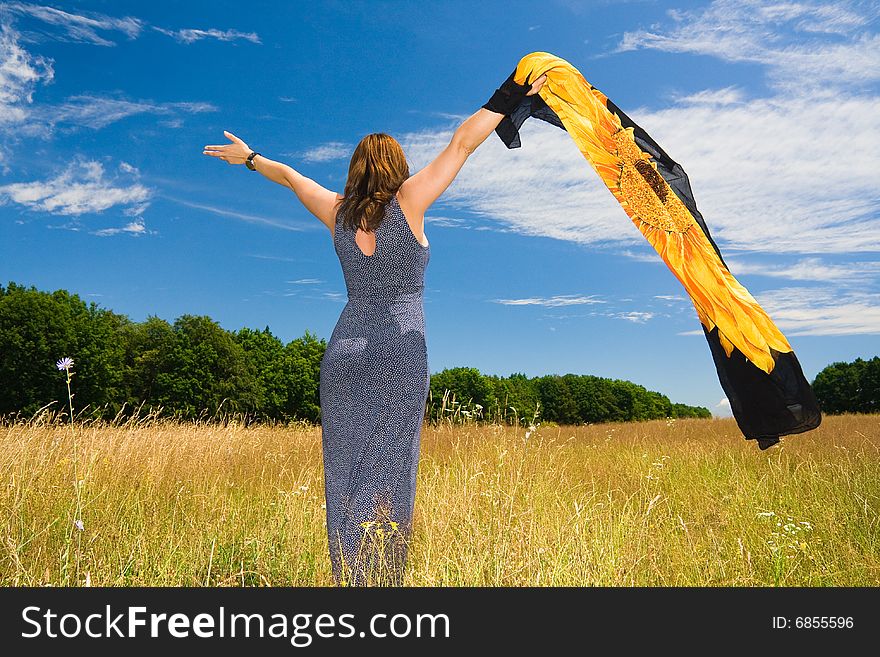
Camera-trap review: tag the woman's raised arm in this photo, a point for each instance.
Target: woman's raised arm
(318, 200)
(423, 188)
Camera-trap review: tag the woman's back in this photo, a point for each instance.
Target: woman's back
(397, 264)
(374, 383)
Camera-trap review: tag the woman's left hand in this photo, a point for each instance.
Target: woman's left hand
(234, 153)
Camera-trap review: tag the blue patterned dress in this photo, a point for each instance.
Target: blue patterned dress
(374, 382)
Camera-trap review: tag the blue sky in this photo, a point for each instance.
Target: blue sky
(773, 109)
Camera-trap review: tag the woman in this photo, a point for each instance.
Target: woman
(374, 374)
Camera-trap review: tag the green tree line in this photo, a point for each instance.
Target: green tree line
(193, 368)
(849, 387)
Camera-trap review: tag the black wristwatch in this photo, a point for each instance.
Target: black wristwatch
(249, 162)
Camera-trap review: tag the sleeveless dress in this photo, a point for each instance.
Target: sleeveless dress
(374, 383)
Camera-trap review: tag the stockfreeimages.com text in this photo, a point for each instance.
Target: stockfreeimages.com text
(300, 629)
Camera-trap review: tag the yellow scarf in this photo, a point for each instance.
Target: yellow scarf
(628, 171)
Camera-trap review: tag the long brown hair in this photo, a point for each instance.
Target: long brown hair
(377, 170)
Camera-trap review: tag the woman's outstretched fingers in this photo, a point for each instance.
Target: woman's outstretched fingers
(233, 153)
(232, 137)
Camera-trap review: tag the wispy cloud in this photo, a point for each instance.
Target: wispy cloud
(96, 112)
(714, 97)
(819, 311)
(191, 35)
(544, 189)
(306, 281)
(823, 311)
(77, 27)
(558, 300)
(334, 150)
(135, 228)
(830, 40)
(262, 256)
(20, 73)
(84, 27)
(82, 187)
(639, 317)
(808, 269)
(242, 216)
(752, 162)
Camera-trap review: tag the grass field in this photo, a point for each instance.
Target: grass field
(658, 503)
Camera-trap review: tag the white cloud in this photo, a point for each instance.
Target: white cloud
(794, 171)
(808, 269)
(334, 150)
(713, 97)
(639, 317)
(135, 228)
(558, 300)
(723, 408)
(20, 73)
(779, 173)
(77, 27)
(819, 311)
(261, 256)
(83, 27)
(242, 216)
(448, 222)
(80, 188)
(544, 189)
(191, 35)
(96, 112)
(822, 311)
(813, 45)
(754, 170)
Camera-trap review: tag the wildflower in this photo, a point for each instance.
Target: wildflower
(65, 363)
(79, 525)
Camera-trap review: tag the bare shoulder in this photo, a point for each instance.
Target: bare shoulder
(414, 218)
(330, 219)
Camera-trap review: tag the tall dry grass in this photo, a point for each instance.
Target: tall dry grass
(683, 502)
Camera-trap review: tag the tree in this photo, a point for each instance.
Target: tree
(302, 367)
(557, 403)
(37, 329)
(849, 387)
(194, 366)
(266, 355)
(204, 369)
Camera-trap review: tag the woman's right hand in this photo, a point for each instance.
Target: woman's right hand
(234, 153)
